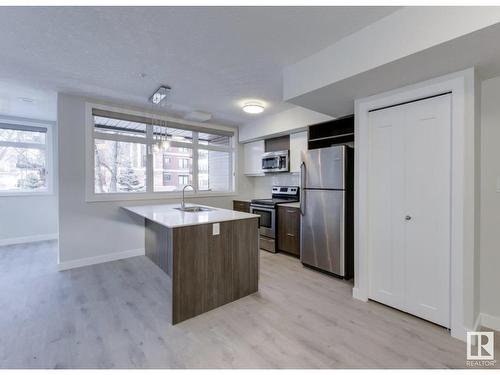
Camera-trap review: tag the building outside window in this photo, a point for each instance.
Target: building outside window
(183, 163)
(25, 158)
(127, 159)
(183, 179)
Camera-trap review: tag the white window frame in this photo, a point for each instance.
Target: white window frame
(49, 154)
(90, 135)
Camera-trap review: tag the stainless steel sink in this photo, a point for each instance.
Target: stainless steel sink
(193, 209)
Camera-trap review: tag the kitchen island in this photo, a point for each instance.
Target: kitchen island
(210, 255)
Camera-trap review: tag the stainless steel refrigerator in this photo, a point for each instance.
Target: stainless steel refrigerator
(326, 206)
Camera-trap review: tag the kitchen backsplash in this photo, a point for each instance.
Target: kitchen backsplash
(263, 185)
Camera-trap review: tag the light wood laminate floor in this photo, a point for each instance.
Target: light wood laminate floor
(113, 315)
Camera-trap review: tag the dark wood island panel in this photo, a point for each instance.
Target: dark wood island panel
(206, 270)
(158, 239)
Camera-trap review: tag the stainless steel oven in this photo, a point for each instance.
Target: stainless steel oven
(276, 161)
(266, 209)
(267, 220)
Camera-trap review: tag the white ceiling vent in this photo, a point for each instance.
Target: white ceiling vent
(198, 116)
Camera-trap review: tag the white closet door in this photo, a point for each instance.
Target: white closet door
(386, 201)
(409, 208)
(428, 187)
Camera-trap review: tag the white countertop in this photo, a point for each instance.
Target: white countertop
(168, 216)
(293, 205)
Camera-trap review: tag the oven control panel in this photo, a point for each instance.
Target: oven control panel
(285, 190)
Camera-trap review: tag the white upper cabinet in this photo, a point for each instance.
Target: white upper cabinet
(298, 143)
(253, 158)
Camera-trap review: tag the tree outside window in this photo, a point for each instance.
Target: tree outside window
(23, 158)
(128, 159)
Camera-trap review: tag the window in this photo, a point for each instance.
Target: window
(214, 172)
(25, 157)
(128, 160)
(183, 179)
(119, 166)
(183, 163)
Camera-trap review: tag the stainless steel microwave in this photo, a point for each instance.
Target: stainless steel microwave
(276, 161)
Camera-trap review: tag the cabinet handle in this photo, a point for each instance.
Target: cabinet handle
(290, 211)
(291, 235)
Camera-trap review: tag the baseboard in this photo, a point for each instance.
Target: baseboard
(36, 238)
(62, 266)
(490, 321)
(359, 295)
(459, 333)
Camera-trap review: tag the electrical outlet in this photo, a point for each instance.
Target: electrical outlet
(216, 229)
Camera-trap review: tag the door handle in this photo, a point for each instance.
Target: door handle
(302, 188)
(407, 217)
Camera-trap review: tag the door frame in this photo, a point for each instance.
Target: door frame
(461, 197)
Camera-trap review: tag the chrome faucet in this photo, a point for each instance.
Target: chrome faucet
(183, 203)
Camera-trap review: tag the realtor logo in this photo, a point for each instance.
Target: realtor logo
(482, 354)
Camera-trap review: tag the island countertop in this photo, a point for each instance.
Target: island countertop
(168, 216)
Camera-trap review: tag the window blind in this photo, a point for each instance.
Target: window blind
(24, 128)
(148, 120)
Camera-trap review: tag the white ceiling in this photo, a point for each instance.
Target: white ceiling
(473, 49)
(213, 57)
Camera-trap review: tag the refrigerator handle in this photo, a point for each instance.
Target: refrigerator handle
(302, 188)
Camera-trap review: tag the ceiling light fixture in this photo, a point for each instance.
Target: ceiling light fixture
(160, 125)
(160, 94)
(253, 108)
(198, 116)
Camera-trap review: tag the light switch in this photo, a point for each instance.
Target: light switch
(498, 184)
(216, 229)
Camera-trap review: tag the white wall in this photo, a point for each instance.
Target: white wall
(286, 122)
(418, 28)
(490, 198)
(30, 218)
(262, 185)
(99, 229)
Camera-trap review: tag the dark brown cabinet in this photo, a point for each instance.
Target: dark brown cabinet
(334, 132)
(242, 206)
(289, 230)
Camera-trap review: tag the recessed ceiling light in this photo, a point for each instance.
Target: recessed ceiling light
(253, 108)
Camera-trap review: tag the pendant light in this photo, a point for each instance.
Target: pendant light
(158, 101)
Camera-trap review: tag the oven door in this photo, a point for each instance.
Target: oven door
(266, 221)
